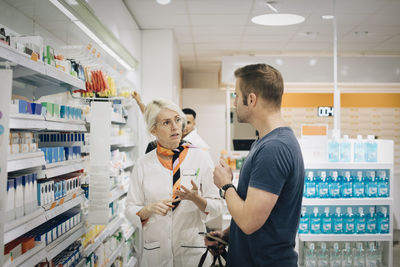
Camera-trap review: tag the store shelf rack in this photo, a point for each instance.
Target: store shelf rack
(42, 79)
(131, 263)
(21, 161)
(64, 241)
(114, 255)
(32, 257)
(344, 237)
(39, 122)
(60, 168)
(117, 118)
(346, 201)
(107, 231)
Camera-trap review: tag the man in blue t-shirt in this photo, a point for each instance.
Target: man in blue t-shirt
(266, 206)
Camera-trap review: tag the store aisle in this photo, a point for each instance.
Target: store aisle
(396, 255)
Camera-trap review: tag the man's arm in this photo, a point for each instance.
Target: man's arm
(249, 214)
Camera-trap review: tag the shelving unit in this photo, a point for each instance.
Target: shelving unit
(60, 168)
(39, 122)
(114, 255)
(21, 161)
(385, 162)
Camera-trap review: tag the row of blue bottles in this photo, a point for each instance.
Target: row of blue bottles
(364, 151)
(346, 186)
(348, 223)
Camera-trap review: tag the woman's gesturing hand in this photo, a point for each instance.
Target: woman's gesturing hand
(188, 194)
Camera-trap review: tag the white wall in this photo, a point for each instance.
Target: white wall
(196, 79)
(160, 67)
(209, 105)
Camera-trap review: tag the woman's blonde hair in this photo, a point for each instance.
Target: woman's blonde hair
(154, 108)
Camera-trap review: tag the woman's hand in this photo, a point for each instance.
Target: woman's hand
(188, 194)
(161, 207)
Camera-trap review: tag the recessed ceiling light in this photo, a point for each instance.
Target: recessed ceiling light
(163, 2)
(327, 16)
(277, 19)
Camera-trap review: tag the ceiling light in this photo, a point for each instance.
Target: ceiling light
(269, 4)
(163, 2)
(327, 16)
(277, 19)
(279, 61)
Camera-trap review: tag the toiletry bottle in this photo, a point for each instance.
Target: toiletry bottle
(371, 185)
(359, 256)
(338, 221)
(347, 186)
(360, 221)
(347, 257)
(371, 149)
(315, 222)
(334, 186)
(304, 226)
(310, 186)
(333, 149)
(335, 256)
(311, 256)
(359, 150)
(323, 255)
(371, 221)
(345, 149)
(383, 221)
(349, 221)
(359, 186)
(323, 186)
(371, 256)
(326, 221)
(383, 184)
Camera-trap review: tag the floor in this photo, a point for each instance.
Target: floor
(396, 255)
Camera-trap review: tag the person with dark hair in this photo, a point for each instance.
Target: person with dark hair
(190, 133)
(266, 206)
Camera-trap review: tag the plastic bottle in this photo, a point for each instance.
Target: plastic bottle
(323, 186)
(335, 256)
(358, 186)
(360, 221)
(315, 222)
(304, 226)
(371, 221)
(371, 186)
(333, 149)
(359, 256)
(383, 221)
(371, 256)
(359, 150)
(383, 184)
(349, 221)
(338, 221)
(326, 221)
(371, 149)
(334, 186)
(345, 149)
(347, 186)
(311, 256)
(347, 257)
(310, 186)
(323, 256)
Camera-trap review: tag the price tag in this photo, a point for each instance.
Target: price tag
(73, 196)
(53, 205)
(61, 201)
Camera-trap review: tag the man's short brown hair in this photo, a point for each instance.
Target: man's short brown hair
(263, 80)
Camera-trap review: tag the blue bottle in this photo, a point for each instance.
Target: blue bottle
(358, 186)
(304, 226)
(383, 221)
(360, 221)
(383, 185)
(371, 221)
(315, 222)
(333, 149)
(371, 186)
(349, 222)
(359, 150)
(323, 186)
(345, 149)
(371, 149)
(326, 221)
(347, 186)
(310, 186)
(334, 186)
(338, 221)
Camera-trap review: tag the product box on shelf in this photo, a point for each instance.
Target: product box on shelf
(30, 44)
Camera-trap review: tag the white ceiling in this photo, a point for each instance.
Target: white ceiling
(206, 30)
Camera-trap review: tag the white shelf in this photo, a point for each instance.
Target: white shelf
(348, 165)
(60, 168)
(107, 231)
(53, 212)
(47, 79)
(114, 255)
(128, 164)
(20, 161)
(128, 231)
(346, 201)
(117, 118)
(122, 141)
(131, 263)
(61, 243)
(39, 122)
(81, 263)
(20, 226)
(118, 192)
(31, 257)
(344, 237)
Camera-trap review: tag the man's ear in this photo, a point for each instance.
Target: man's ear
(251, 99)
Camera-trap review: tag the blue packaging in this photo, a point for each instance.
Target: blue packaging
(323, 186)
(326, 221)
(347, 185)
(22, 106)
(304, 226)
(315, 222)
(62, 111)
(371, 223)
(38, 109)
(338, 221)
(349, 222)
(360, 221)
(334, 185)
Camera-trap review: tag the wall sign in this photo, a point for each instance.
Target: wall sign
(325, 111)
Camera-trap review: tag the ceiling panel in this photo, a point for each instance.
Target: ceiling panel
(219, 7)
(162, 21)
(220, 20)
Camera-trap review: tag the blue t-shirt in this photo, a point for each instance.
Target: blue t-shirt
(274, 164)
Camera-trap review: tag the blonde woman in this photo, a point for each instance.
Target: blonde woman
(172, 191)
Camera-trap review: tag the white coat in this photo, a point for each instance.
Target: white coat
(194, 138)
(173, 240)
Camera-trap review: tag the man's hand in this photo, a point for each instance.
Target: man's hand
(186, 193)
(222, 174)
(217, 247)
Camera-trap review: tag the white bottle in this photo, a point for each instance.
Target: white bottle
(26, 195)
(10, 210)
(359, 150)
(19, 198)
(371, 256)
(345, 149)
